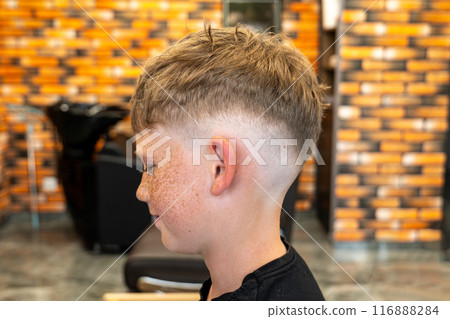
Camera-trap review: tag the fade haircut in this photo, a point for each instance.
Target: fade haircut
(230, 73)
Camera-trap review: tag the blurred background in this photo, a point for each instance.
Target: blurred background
(380, 206)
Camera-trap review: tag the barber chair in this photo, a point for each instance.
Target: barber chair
(99, 187)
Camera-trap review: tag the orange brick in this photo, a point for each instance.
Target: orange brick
(395, 16)
(422, 88)
(408, 29)
(368, 28)
(349, 235)
(347, 223)
(390, 41)
(404, 124)
(395, 235)
(84, 98)
(360, 52)
(437, 77)
(44, 79)
(108, 44)
(39, 61)
(438, 53)
(364, 123)
(353, 191)
(80, 61)
(401, 100)
(129, 33)
(441, 100)
(436, 125)
(347, 179)
(401, 76)
(115, 61)
(414, 224)
(431, 191)
(365, 169)
(420, 136)
(48, 14)
(366, 100)
(426, 170)
(429, 111)
(396, 168)
(78, 43)
(395, 213)
(80, 80)
(17, 52)
(430, 201)
(11, 89)
(350, 213)
(363, 76)
(423, 158)
(302, 205)
(7, 71)
(69, 23)
(380, 224)
(391, 112)
(430, 213)
(382, 88)
(125, 90)
(391, 180)
(349, 88)
(435, 16)
(403, 5)
(59, 89)
(44, 100)
(372, 158)
(16, 13)
(391, 146)
(350, 16)
(361, 146)
(383, 135)
(349, 112)
(441, 41)
(143, 24)
(384, 202)
(440, 5)
(425, 65)
(390, 191)
(430, 234)
(421, 180)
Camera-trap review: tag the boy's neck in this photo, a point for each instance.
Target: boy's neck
(241, 255)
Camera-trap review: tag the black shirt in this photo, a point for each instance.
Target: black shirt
(285, 278)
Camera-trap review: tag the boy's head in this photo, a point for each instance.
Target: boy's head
(237, 89)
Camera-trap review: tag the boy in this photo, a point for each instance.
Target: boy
(232, 102)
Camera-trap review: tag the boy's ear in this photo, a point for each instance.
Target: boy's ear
(224, 167)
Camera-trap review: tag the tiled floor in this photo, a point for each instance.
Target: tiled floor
(54, 266)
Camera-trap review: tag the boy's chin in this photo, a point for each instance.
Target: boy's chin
(177, 245)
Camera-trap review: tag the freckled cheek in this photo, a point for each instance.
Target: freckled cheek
(184, 209)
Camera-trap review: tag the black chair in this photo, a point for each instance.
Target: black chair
(99, 188)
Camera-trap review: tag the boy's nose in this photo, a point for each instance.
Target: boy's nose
(142, 193)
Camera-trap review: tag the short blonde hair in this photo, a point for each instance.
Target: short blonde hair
(217, 73)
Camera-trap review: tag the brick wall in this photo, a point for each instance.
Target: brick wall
(391, 114)
(300, 21)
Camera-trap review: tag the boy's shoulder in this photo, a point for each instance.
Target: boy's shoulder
(283, 279)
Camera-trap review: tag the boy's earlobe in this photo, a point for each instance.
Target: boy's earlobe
(224, 168)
